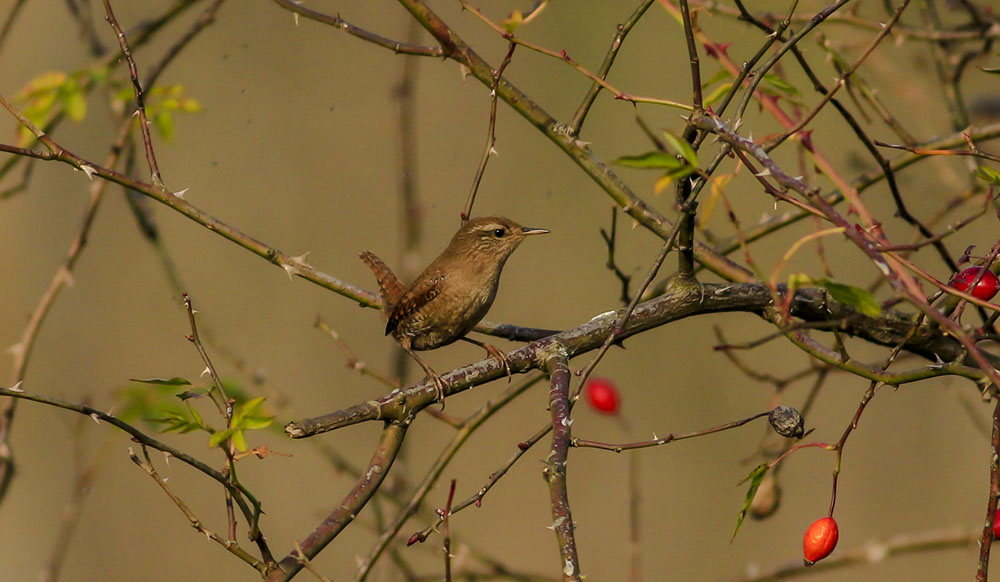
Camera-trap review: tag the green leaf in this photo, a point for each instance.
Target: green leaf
(196, 416)
(988, 175)
(683, 148)
(256, 422)
(717, 94)
(856, 297)
(248, 408)
(220, 436)
(721, 75)
(239, 441)
(755, 477)
(163, 121)
(75, 105)
(45, 83)
(650, 160)
(247, 415)
(175, 381)
(780, 85)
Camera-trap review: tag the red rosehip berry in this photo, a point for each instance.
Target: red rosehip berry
(996, 524)
(602, 395)
(820, 540)
(985, 290)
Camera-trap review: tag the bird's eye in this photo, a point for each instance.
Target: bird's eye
(500, 232)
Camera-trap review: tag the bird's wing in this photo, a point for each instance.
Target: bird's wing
(422, 292)
(390, 288)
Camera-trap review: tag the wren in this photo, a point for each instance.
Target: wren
(453, 293)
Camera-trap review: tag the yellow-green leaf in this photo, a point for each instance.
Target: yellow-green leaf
(190, 105)
(662, 183)
(988, 175)
(75, 105)
(682, 147)
(256, 422)
(718, 93)
(859, 299)
(239, 441)
(654, 160)
(220, 436)
(163, 121)
(46, 82)
(512, 22)
(716, 187)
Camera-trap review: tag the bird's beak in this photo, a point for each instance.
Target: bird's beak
(526, 231)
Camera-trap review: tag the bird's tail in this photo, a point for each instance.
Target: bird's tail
(390, 288)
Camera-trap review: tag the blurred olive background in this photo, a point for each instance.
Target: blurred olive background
(298, 145)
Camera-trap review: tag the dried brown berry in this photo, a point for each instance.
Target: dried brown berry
(786, 421)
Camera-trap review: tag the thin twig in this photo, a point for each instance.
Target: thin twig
(446, 532)
(337, 22)
(352, 360)
(491, 138)
(476, 499)
(609, 240)
(140, 106)
(8, 22)
(231, 545)
(669, 438)
(609, 59)
(563, 56)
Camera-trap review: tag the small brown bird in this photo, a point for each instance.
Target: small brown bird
(453, 293)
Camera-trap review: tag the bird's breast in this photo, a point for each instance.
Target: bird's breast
(449, 316)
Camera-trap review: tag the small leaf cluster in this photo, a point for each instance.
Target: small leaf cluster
(54, 92)
(161, 103)
(158, 402)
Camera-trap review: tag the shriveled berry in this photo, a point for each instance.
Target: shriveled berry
(820, 540)
(602, 395)
(985, 290)
(786, 421)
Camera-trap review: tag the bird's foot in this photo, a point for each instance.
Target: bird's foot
(496, 353)
(439, 384)
(439, 387)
